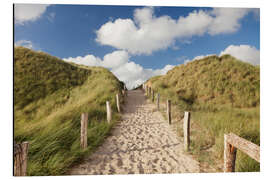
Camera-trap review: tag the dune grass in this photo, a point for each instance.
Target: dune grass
(47, 109)
(223, 95)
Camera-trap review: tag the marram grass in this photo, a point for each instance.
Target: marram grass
(223, 95)
(50, 96)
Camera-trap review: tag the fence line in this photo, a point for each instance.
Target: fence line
(232, 142)
(186, 119)
(21, 150)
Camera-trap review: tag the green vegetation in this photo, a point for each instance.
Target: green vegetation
(223, 95)
(50, 96)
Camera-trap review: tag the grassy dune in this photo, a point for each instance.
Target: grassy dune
(50, 96)
(223, 95)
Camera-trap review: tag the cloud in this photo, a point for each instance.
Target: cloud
(28, 12)
(146, 33)
(245, 53)
(88, 60)
(111, 60)
(121, 66)
(226, 20)
(25, 43)
(115, 59)
(134, 74)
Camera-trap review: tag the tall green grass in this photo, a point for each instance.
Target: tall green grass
(223, 95)
(49, 118)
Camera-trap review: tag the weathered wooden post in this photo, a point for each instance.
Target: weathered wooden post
(169, 111)
(118, 103)
(25, 146)
(17, 160)
(84, 125)
(233, 142)
(146, 90)
(158, 101)
(126, 92)
(229, 155)
(153, 95)
(109, 112)
(186, 129)
(20, 164)
(149, 93)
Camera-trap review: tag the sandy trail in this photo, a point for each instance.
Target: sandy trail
(142, 143)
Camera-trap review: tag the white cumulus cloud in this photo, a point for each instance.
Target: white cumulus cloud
(28, 12)
(121, 66)
(226, 20)
(115, 59)
(245, 53)
(88, 60)
(146, 33)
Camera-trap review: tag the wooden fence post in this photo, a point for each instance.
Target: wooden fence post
(17, 160)
(229, 156)
(118, 103)
(186, 129)
(158, 101)
(146, 90)
(84, 125)
(169, 111)
(20, 164)
(25, 146)
(126, 91)
(153, 95)
(109, 112)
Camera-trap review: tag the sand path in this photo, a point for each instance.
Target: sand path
(142, 143)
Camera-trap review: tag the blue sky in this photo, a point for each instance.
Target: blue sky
(137, 42)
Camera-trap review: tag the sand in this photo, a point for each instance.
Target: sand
(142, 143)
